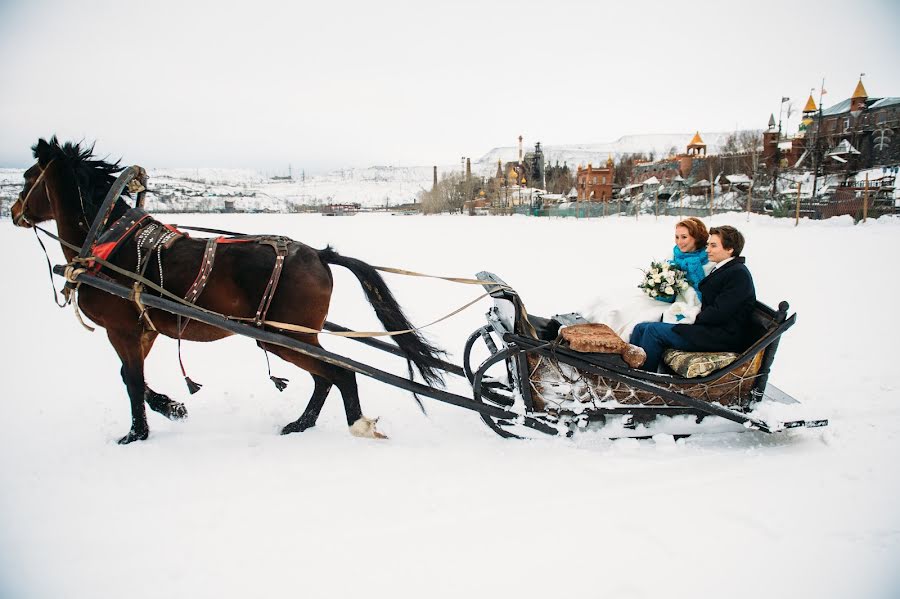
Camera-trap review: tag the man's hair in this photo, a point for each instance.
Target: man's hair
(731, 239)
(696, 229)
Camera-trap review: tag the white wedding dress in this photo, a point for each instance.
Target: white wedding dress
(624, 309)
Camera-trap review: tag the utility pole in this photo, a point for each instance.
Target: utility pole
(815, 156)
(797, 215)
(749, 199)
(866, 199)
(656, 204)
(777, 150)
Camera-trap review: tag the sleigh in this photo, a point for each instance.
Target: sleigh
(531, 369)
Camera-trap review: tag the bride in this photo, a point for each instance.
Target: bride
(689, 254)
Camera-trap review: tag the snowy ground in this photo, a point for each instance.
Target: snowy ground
(222, 506)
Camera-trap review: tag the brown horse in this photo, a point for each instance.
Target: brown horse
(68, 186)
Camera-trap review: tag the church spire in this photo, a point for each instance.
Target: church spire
(810, 105)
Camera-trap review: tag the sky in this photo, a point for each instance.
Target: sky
(324, 85)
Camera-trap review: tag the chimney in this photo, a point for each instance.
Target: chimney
(434, 184)
(468, 168)
(520, 149)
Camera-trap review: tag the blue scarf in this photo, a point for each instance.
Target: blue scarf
(691, 263)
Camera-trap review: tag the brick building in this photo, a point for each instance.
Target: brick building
(857, 133)
(595, 184)
(687, 165)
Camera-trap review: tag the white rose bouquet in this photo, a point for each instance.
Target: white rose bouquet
(663, 281)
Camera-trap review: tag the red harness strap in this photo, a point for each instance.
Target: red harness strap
(123, 230)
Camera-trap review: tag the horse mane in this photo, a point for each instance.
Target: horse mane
(94, 176)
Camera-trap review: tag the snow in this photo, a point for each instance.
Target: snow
(221, 505)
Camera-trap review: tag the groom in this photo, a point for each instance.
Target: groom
(728, 299)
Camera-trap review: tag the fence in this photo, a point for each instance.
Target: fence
(843, 201)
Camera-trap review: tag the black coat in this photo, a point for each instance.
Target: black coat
(723, 323)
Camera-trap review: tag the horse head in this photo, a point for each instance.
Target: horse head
(64, 181)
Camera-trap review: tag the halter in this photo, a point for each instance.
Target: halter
(22, 218)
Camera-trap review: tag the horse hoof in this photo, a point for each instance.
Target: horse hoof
(296, 427)
(162, 404)
(365, 427)
(134, 436)
(176, 411)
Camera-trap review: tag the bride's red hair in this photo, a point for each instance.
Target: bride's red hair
(696, 229)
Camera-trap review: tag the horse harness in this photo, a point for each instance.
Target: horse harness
(151, 236)
(278, 243)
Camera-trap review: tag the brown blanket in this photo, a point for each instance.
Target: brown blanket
(597, 338)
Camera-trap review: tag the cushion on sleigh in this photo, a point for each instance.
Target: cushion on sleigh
(597, 338)
(696, 364)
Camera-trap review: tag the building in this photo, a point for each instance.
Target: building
(687, 165)
(533, 163)
(595, 184)
(870, 127)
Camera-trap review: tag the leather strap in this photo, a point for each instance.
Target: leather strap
(206, 266)
(280, 245)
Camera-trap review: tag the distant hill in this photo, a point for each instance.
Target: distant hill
(597, 153)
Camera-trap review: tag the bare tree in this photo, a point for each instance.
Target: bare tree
(559, 179)
(450, 194)
(625, 167)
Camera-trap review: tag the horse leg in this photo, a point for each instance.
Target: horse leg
(329, 375)
(360, 426)
(313, 408)
(128, 345)
(162, 404)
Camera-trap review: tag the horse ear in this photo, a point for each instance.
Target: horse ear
(42, 152)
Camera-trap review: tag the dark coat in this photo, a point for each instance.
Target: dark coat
(723, 323)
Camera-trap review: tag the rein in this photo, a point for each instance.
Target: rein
(73, 270)
(135, 179)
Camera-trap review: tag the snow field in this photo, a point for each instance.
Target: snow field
(220, 505)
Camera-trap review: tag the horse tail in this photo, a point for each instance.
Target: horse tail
(417, 349)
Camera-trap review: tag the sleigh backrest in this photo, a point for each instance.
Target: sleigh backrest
(767, 322)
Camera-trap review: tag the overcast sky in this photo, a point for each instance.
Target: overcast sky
(261, 84)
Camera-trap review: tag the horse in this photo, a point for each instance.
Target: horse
(68, 184)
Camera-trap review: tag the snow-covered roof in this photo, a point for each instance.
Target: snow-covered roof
(632, 186)
(845, 147)
(838, 108)
(738, 179)
(701, 183)
(885, 102)
(651, 181)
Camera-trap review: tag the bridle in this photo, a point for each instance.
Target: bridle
(23, 220)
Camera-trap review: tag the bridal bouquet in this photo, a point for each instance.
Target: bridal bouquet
(663, 281)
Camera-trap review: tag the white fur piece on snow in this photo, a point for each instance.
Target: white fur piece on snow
(365, 427)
